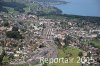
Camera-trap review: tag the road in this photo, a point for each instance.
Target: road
(48, 39)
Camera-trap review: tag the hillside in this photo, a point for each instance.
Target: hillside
(26, 6)
(50, 2)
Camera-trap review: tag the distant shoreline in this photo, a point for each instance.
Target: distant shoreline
(80, 7)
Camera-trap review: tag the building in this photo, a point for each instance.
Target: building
(0, 50)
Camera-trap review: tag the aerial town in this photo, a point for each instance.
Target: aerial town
(32, 29)
(25, 37)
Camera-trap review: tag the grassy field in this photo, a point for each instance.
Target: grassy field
(96, 42)
(64, 52)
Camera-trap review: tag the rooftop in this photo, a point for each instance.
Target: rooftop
(0, 50)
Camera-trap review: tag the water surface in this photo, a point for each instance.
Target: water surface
(81, 7)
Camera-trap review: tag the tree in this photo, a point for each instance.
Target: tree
(5, 24)
(98, 37)
(67, 40)
(98, 60)
(63, 25)
(1, 59)
(15, 28)
(2, 56)
(14, 34)
(80, 54)
(45, 64)
(44, 26)
(11, 56)
(88, 54)
(57, 42)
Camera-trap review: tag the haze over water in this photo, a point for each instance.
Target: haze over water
(81, 7)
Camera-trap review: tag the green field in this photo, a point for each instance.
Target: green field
(64, 52)
(96, 42)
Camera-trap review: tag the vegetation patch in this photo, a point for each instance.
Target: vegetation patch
(66, 53)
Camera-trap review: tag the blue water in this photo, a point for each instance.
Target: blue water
(81, 7)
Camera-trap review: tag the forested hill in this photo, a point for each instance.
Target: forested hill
(32, 6)
(6, 4)
(51, 1)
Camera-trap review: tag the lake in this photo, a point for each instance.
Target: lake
(81, 7)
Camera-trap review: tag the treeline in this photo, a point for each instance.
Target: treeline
(92, 19)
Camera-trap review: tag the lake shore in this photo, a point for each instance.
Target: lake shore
(80, 7)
